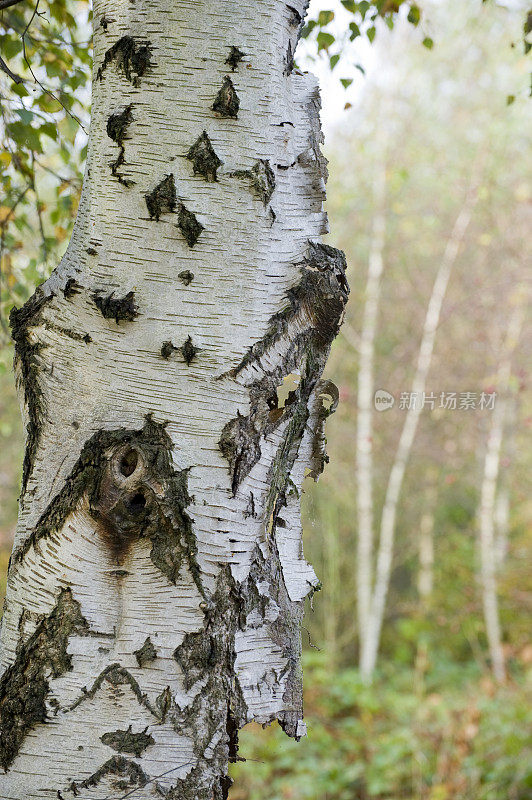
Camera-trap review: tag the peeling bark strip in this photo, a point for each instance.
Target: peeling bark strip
(207, 659)
(24, 685)
(328, 398)
(131, 57)
(320, 296)
(308, 324)
(22, 320)
(191, 578)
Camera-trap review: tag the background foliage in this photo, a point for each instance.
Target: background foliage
(43, 128)
(433, 726)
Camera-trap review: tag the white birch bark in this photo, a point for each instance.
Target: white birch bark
(365, 395)
(156, 586)
(395, 481)
(502, 525)
(488, 495)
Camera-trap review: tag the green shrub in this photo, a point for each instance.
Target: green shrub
(446, 735)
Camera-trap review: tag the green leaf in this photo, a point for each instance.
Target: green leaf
(355, 31)
(350, 5)
(334, 60)
(24, 135)
(49, 129)
(428, 43)
(510, 99)
(371, 33)
(19, 89)
(414, 15)
(25, 115)
(360, 68)
(10, 46)
(324, 17)
(346, 82)
(325, 40)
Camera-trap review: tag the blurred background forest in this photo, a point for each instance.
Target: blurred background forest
(420, 527)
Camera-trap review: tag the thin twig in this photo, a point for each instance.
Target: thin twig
(311, 643)
(37, 81)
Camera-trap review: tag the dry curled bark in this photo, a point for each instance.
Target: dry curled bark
(157, 581)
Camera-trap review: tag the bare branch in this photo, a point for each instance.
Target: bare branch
(5, 68)
(8, 3)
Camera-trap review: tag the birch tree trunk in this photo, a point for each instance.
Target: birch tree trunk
(365, 394)
(488, 495)
(395, 481)
(156, 585)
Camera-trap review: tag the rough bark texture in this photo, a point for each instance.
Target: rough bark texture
(156, 586)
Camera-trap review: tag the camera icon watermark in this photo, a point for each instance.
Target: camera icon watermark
(383, 400)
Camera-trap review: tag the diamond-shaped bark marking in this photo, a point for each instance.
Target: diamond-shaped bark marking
(188, 225)
(227, 102)
(189, 351)
(261, 177)
(263, 180)
(162, 199)
(204, 159)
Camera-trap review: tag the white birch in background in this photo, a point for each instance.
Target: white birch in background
(370, 645)
(365, 399)
(487, 516)
(502, 524)
(156, 585)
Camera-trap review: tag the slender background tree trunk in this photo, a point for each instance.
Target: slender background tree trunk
(365, 395)
(406, 440)
(157, 580)
(487, 517)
